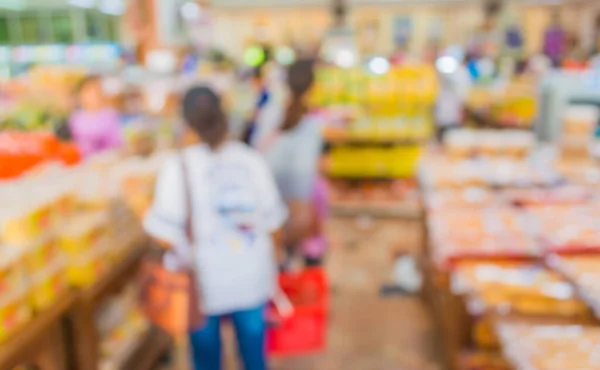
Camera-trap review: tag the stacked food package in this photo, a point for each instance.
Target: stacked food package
(514, 105)
(40, 99)
(584, 272)
(22, 151)
(498, 232)
(543, 347)
(379, 193)
(508, 143)
(373, 161)
(578, 129)
(402, 91)
(63, 227)
(516, 236)
(121, 325)
(375, 123)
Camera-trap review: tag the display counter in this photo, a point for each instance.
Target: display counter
(65, 333)
(41, 341)
(508, 241)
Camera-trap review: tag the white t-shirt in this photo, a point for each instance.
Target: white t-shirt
(236, 206)
(453, 94)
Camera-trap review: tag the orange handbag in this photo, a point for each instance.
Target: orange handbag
(171, 300)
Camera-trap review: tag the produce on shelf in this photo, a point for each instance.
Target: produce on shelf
(66, 227)
(403, 91)
(23, 151)
(388, 117)
(364, 107)
(373, 161)
(512, 106)
(41, 99)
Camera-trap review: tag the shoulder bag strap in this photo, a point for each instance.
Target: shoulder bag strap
(189, 209)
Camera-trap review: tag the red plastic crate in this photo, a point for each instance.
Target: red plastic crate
(305, 331)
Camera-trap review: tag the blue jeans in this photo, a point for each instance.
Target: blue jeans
(250, 331)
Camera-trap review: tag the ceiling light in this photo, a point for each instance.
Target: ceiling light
(83, 3)
(254, 56)
(113, 7)
(285, 55)
(379, 65)
(345, 58)
(190, 10)
(446, 64)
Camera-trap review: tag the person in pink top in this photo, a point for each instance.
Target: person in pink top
(95, 125)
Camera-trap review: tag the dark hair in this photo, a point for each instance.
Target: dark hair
(257, 72)
(88, 80)
(300, 78)
(203, 113)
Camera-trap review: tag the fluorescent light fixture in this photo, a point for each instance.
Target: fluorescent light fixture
(190, 10)
(88, 4)
(254, 56)
(285, 55)
(345, 58)
(161, 61)
(446, 64)
(379, 65)
(112, 7)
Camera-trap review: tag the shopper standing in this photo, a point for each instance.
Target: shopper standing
(94, 126)
(236, 212)
(292, 151)
(455, 85)
(263, 97)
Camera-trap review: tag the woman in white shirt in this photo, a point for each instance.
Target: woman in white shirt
(236, 211)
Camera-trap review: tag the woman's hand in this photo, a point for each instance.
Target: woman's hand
(162, 243)
(278, 242)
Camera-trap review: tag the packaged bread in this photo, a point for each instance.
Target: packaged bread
(13, 269)
(82, 232)
(41, 252)
(551, 347)
(584, 271)
(515, 287)
(15, 311)
(87, 267)
(48, 284)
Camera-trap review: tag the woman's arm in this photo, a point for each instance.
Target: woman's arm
(300, 222)
(304, 174)
(165, 220)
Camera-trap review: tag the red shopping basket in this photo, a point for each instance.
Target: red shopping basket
(305, 330)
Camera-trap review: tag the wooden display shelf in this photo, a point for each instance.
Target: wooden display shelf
(401, 210)
(64, 335)
(149, 350)
(374, 141)
(116, 277)
(40, 341)
(86, 342)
